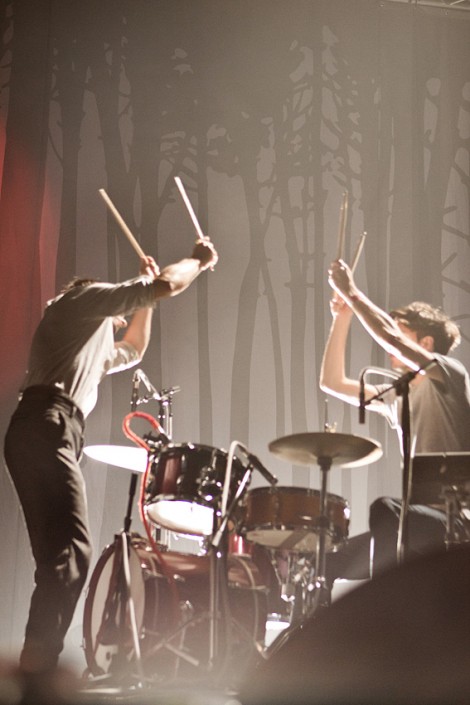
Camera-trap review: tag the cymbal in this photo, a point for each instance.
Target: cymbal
(127, 457)
(342, 449)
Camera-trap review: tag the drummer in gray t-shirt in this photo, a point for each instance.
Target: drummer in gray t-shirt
(418, 338)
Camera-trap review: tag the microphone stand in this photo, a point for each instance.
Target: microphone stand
(402, 388)
(163, 397)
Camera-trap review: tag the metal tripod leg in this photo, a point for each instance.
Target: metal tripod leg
(120, 594)
(321, 596)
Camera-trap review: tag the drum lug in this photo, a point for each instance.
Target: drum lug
(210, 487)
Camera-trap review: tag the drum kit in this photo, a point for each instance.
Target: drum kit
(154, 615)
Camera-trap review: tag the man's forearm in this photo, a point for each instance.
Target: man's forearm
(386, 332)
(333, 373)
(376, 321)
(139, 330)
(177, 277)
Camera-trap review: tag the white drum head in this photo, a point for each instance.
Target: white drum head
(181, 516)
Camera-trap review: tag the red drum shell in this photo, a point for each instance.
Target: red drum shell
(185, 487)
(238, 545)
(109, 648)
(287, 518)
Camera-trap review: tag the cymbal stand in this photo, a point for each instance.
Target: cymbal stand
(120, 595)
(321, 595)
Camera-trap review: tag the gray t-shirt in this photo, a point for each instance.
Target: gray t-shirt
(73, 346)
(440, 411)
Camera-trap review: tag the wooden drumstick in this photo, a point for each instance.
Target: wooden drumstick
(121, 223)
(357, 254)
(190, 209)
(343, 216)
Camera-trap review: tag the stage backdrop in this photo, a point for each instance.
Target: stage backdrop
(268, 111)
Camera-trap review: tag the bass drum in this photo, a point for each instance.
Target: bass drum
(172, 616)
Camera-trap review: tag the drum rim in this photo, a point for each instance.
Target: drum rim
(139, 545)
(191, 446)
(179, 498)
(282, 527)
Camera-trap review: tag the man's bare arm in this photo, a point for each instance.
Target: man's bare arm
(380, 325)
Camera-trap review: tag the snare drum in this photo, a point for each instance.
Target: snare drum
(185, 487)
(287, 518)
(173, 613)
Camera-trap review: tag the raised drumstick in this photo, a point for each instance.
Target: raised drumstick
(121, 223)
(190, 209)
(343, 216)
(357, 254)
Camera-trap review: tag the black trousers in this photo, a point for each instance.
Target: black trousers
(43, 445)
(375, 551)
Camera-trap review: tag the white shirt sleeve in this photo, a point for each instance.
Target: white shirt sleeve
(124, 356)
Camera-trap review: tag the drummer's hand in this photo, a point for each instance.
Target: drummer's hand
(340, 278)
(338, 306)
(149, 267)
(206, 253)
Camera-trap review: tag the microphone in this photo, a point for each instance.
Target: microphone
(135, 389)
(256, 463)
(161, 438)
(165, 393)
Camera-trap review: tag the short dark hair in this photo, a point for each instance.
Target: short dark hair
(77, 281)
(424, 319)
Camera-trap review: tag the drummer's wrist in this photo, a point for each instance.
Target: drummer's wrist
(355, 296)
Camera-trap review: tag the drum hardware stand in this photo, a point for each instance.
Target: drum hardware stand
(218, 548)
(218, 611)
(444, 478)
(218, 571)
(453, 500)
(165, 642)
